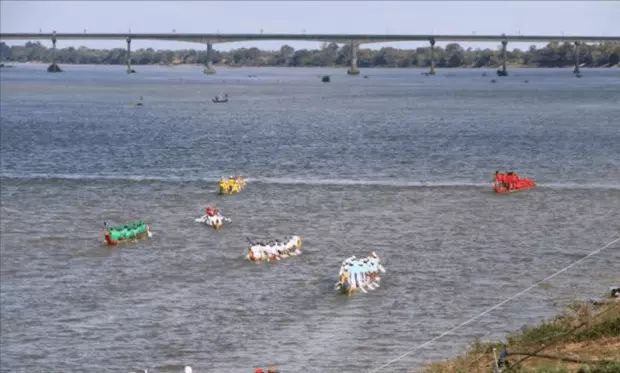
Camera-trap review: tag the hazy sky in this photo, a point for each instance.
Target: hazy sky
(413, 17)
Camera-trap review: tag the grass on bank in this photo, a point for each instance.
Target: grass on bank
(584, 339)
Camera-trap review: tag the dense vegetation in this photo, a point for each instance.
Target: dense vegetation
(453, 55)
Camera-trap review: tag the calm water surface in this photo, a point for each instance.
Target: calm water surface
(398, 163)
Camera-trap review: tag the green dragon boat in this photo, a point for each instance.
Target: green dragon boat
(127, 233)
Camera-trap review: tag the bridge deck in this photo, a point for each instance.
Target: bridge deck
(338, 38)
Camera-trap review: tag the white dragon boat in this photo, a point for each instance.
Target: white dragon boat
(274, 250)
(359, 274)
(212, 218)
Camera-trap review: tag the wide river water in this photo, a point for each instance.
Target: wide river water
(397, 162)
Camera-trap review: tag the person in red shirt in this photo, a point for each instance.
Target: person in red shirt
(211, 211)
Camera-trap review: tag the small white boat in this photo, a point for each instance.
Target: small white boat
(212, 218)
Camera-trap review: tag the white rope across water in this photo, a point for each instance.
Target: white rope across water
(494, 307)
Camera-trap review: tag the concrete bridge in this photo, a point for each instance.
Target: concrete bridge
(355, 40)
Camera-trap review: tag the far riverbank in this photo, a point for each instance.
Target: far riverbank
(328, 55)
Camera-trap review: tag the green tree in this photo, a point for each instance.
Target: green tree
(455, 55)
(286, 54)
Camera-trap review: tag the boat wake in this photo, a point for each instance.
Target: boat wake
(297, 181)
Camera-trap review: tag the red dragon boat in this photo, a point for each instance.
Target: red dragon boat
(508, 182)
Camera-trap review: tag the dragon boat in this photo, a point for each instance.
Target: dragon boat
(131, 232)
(359, 274)
(234, 184)
(212, 218)
(509, 182)
(274, 250)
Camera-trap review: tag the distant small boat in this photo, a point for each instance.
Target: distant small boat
(502, 73)
(220, 99)
(54, 68)
(325, 79)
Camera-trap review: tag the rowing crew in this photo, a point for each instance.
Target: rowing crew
(234, 184)
(212, 217)
(511, 181)
(274, 250)
(359, 274)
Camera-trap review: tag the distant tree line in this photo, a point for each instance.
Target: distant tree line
(554, 54)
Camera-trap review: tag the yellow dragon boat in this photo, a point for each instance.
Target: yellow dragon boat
(234, 184)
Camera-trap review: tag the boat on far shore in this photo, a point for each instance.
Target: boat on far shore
(220, 99)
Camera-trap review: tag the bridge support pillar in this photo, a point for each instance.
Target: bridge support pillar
(209, 69)
(353, 69)
(129, 69)
(54, 68)
(576, 70)
(432, 71)
(503, 71)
